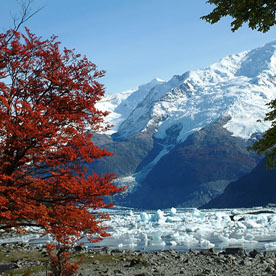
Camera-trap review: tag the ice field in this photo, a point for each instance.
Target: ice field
(182, 229)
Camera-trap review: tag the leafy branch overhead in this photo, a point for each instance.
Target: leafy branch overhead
(266, 145)
(259, 14)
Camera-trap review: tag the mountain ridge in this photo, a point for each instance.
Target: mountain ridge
(164, 114)
(246, 191)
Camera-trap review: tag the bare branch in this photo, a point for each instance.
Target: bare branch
(26, 14)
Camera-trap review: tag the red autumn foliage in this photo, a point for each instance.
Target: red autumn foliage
(59, 261)
(47, 119)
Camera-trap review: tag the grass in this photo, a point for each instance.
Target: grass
(90, 261)
(10, 256)
(30, 271)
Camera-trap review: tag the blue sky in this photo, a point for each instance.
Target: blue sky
(137, 40)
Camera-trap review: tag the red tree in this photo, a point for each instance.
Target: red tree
(47, 119)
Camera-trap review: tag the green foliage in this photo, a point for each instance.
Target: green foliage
(27, 271)
(267, 144)
(12, 255)
(260, 14)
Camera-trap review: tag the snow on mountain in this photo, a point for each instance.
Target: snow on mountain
(129, 104)
(120, 105)
(238, 86)
(109, 103)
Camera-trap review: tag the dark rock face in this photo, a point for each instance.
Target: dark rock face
(258, 188)
(192, 173)
(128, 153)
(195, 171)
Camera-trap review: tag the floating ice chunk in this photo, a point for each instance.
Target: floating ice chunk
(196, 213)
(146, 240)
(235, 212)
(158, 217)
(173, 212)
(157, 239)
(158, 243)
(187, 240)
(132, 241)
(157, 235)
(115, 235)
(249, 237)
(144, 217)
(192, 228)
(175, 234)
(173, 243)
(272, 219)
(225, 241)
(120, 245)
(27, 238)
(132, 225)
(241, 225)
(251, 224)
(173, 216)
(222, 217)
(240, 232)
(206, 244)
(262, 219)
(172, 236)
(270, 246)
(222, 237)
(238, 217)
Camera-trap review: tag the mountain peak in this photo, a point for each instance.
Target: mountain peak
(120, 105)
(150, 84)
(258, 61)
(158, 80)
(238, 86)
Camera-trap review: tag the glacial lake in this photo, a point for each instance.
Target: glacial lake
(182, 229)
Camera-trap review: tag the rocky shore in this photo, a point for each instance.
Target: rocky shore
(19, 259)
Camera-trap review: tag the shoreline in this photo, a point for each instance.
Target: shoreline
(20, 258)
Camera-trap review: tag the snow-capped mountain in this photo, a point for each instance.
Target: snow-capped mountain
(238, 86)
(206, 115)
(120, 105)
(109, 103)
